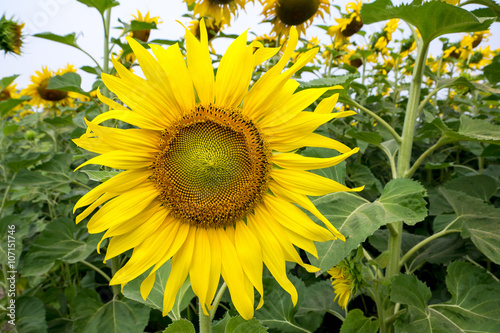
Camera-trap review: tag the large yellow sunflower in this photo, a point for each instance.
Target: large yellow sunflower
(219, 10)
(41, 96)
(211, 180)
(284, 14)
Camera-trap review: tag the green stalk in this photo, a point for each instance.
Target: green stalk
(115, 266)
(205, 320)
(404, 155)
(106, 22)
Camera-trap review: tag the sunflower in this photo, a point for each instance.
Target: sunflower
(212, 27)
(211, 180)
(347, 26)
(219, 10)
(284, 14)
(346, 279)
(8, 92)
(11, 38)
(143, 35)
(41, 96)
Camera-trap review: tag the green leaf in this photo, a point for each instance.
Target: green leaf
(31, 178)
(57, 242)
(6, 81)
(28, 160)
(59, 163)
(220, 326)
(479, 129)
(239, 325)
(356, 322)
(100, 176)
(69, 39)
(318, 299)
(357, 218)
(492, 5)
(478, 220)
(100, 5)
(432, 19)
(278, 310)
(343, 80)
(155, 299)
(6, 106)
(370, 137)
(90, 315)
(68, 82)
(30, 314)
(492, 72)
(180, 326)
(462, 81)
(480, 186)
(473, 307)
(136, 26)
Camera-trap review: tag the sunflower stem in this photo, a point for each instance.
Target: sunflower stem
(115, 266)
(205, 319)
(217, 300)
(106, 20)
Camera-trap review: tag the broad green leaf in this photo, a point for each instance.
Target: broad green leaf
(479, 129)
(474, 305)
(6, 106)
(478, 220)
(69, 39)
(68, 82)
(491, 4)
(30, 315)
(432, 19)
(356, 322)
(462, 81)
(357, 218)
(220, 325)
(31, 158)
(100, 176)
(492, 72)
(318, 299)
(239, 325)
(180, 326)
(480, 186)
(59, 163)
(343, 80)
(91, 315)
(100, 5)
(155, 299)
(362, 175)
(136, 26)
(31, 178)
(371, 137)
(57, 242)
(278, 310)
(6, 81)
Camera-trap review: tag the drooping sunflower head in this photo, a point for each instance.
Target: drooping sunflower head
(346, 279)
(211, 180)
(143, 35)
(284, 14)
(11, 38)
(220, 10)
(42, 96)
(348, 24)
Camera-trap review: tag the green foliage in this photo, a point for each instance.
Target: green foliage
(180, 326)
(100, 5)
(355, 322)
(67, 82)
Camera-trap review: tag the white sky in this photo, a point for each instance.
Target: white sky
(66, 16)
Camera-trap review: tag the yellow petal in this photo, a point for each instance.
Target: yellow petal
(234, 73)
(299, 162)
(311, 140)
(308, 183)
(264, 53)
(215, 267)
(129, 117)
(199, 272)
(109, 102)
(119, 159)
(105, 197)
(327, 104)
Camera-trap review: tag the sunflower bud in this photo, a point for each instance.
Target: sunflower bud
(11, 36)
(30, 135)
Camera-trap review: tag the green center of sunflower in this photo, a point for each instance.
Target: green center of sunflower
(213, 168)
(295, 12)
(50, 94)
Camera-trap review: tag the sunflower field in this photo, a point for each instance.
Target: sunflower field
(224, 181)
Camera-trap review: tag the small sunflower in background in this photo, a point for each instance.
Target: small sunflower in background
(348, 25)
(346, 279)
(143, 35)
(11, 37)
(480, 58)
(9, 92)
(212, 26)
(41, 96)
(284, 14)
(211, 178)
(220, 10)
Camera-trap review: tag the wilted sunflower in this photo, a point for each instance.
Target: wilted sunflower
(346, 279)
(284, 14)
(217, 9)
(42, 96)
(143, 35)
(11, 37)
(210, 179)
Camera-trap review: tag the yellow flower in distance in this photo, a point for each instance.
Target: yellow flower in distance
(143, 35)
(210, 179)
(219, 10)
(348, 25)
(41, 96)
(8, 92)
(284, 14)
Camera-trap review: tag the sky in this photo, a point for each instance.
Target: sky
(66, 16)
